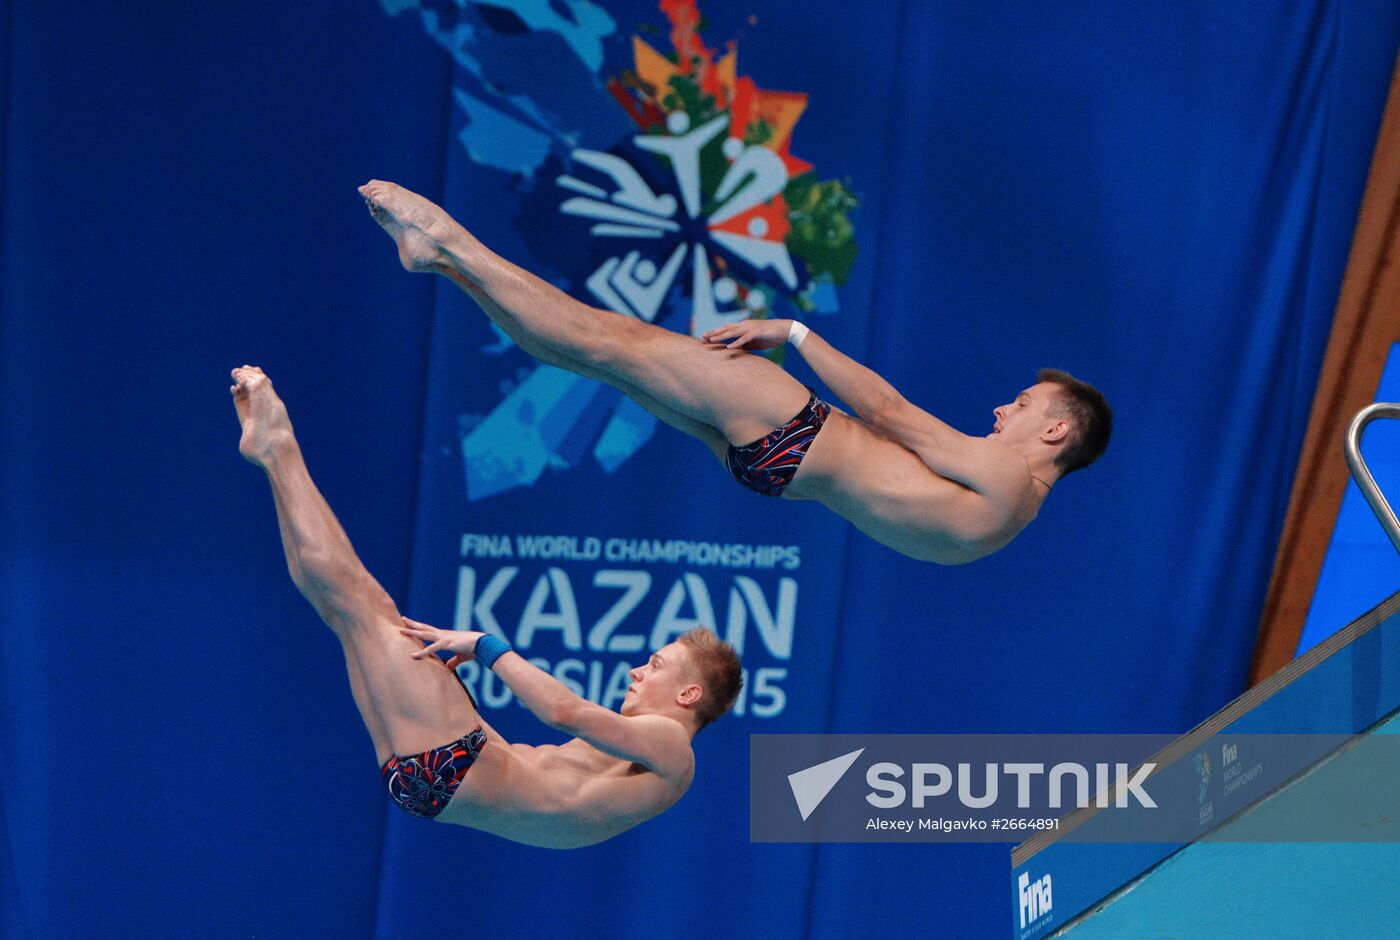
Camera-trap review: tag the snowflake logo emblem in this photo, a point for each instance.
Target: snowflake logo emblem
(699, 205)
(742, 223)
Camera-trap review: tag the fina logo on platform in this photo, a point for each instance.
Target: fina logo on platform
(1034, 898)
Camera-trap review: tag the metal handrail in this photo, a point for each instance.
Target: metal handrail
(1352, 447)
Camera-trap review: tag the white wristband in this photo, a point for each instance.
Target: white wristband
(796, 334)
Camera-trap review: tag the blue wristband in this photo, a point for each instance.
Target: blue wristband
(489, 649)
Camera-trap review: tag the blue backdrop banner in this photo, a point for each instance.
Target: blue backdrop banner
(1156, 197)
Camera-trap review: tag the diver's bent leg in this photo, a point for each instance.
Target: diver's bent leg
(408, 705)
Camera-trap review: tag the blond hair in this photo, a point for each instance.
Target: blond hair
(721, 676)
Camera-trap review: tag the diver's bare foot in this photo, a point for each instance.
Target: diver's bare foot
(266, 427)
(416, 225)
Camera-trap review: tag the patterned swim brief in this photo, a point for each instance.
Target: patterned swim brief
(423, 783)
(768, 465)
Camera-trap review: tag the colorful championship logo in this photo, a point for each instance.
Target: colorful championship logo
(1206, 806)
(660, 184)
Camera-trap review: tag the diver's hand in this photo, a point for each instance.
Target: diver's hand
(750, 334)
(461, 643)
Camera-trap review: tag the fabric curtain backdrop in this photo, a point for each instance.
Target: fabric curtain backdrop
(1158, 198)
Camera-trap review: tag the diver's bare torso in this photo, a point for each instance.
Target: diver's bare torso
(885, 490)
(559, 797)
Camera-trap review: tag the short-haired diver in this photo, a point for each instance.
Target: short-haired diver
(895, 471)
(438, 758)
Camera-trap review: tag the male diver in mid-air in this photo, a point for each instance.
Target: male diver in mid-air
(438, 758)
(897, 473)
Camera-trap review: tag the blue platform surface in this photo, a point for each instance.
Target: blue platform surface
(1348, 684)
(1224, 889)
